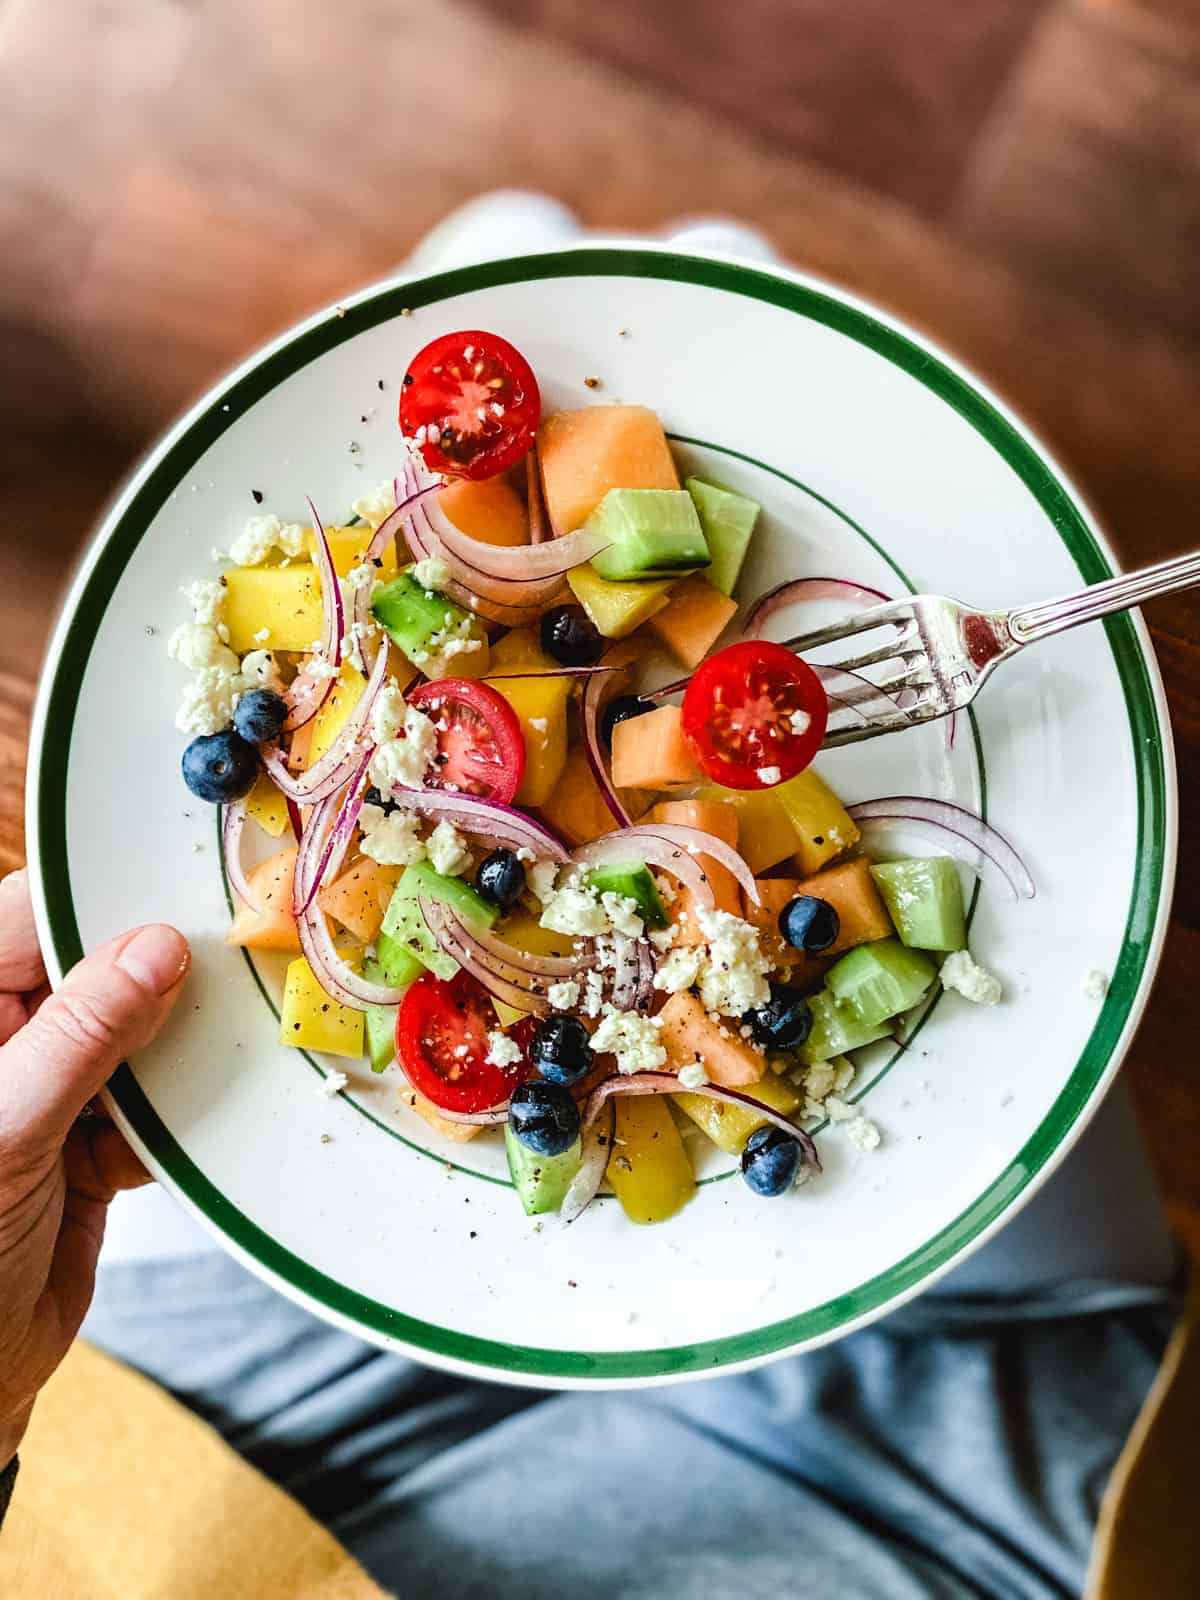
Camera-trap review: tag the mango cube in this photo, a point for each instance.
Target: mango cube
(310, 1020)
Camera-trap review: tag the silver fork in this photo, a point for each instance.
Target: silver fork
(945, 652)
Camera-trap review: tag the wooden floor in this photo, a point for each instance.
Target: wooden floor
(179, 178)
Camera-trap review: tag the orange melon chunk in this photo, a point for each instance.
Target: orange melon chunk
(850, 890)
(710, 816)
(692, 620)
(584, 454)
(575, 809)
(458, 1132)
(490, 510)
(649, 752)
(272, 926)
(359, 897)
(689, 1034)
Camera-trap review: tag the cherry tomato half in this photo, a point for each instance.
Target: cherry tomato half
(751, 709)
(442, 1044)
(471, 401)
(481, 749)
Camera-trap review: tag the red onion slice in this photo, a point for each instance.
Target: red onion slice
(676, 849)
(963, 834)
(307, 693)
(668, 1083)
(597, 1147)
(320, 817)
(492, 1117)
(511, 614)
(232, 822)
(333, 769)
(518, 989)
(596, 693)
(339, 981)
(798, 591)
(340, 835)
(538, 530)
(488, 818)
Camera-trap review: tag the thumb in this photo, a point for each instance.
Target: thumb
(110, 1005)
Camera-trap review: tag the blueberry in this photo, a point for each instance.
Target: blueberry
(808, 923)
(501, 878)
(571, 637)
(561, 1049)
(543, 1117)
(770, 1161)
(220, 767)
(260, 716)
(620, 709)
(784, 1023)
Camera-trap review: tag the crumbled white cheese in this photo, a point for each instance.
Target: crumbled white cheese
(733, 975)
(390, 837)
(593, 993)
(377, 505)
(525, 855)
(632, 1039)
(680, 970)
(576, 911)
(431, 573)
(1095, 984)
(693, 1076)
(262, 535)
(196, 645)
(448, 851)
(563, 996)
(769, 775)
(502, 1051)
(455, 639)
(206, 705)
(333, 1083)
(663, 938)
(862, 1134)
(799, 722)
(622, 913)
(262, 636)
(387, 714)
(206, 596)
(259, 670)
(406, 759)
(967, 978)
(838, 1110)
(539, 880)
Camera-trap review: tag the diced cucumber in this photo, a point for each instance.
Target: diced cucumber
(835, 1029)
(413, 615)
(541, 1181)
(634, 881)
(728, 521)
(654, 533)
(404, 924)
(880, 980)
(398, 967)
(925, 899)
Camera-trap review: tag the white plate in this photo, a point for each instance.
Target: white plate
(876, 458)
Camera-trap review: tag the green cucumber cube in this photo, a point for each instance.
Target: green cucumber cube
(394, 964)
(635, 881)
(925, 899)
(835, 1030)
(541, 1181)
(654, 533)
(404, 924)
(728, 521)
(880, 980)
(415, 616)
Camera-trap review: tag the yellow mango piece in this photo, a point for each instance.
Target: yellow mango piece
(310, 1020)
(823, 826)
(520, 650)
(507, 1014)
(729, 1126)
(360, 896)
(266, 806)
(618, 608)
(286, 601)
(649, 1169)
(348, 547)
(541, 708)
(333, 715)
(766, 833)
(524, 932)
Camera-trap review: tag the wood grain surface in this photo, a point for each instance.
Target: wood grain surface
(181, 178)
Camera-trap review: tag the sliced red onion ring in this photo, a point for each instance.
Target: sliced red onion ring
(597, 1147)
(518, 989)
(552, 968)
(320, 818)
(963, 834)
(798, 591)
(538, 531)
(490, 1118)
(676, 849)
(307, 692)
(668, 1083)
(339, 981)
(626, 972)
(558, 672)
(334, 768)
(340, 835)
(488, 818)
(294, 817)
(596, 693)
(232, 822)
(509, 614)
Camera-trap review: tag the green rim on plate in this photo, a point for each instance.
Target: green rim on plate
(221, 411)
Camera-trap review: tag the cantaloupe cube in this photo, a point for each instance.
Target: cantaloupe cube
(300, 746)
(490, 510)
(310, 1020)
(584, 454)
(649, 752)
(687, 1034)
(649, 1168)
(286, 601)
(335, 713)
(850, 890)
(271, 926)
(618, 608)
(692, 620)
(266, 806)
(710, 816)
(457, 1132)
(360, 896)
(575, 809)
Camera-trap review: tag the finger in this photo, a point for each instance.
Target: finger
(99, 1164)
(13, 1015)
(110, 1005)
(20, 955)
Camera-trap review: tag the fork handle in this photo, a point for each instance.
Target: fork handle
(1028, 623)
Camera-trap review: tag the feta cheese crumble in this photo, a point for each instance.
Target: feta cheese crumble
(632, 1039)
(693, 1076)
(206, 705)
(502, 1051)
(259, 670)
(376, 506)
(431, 573)
(333, 1083)
(622, 913)
(680, 970)
(967, 978)
(574, 910)
(206, 596)
(405, 759)
(387, 714)
(539, 880)
(455, 639)
(390, 837)
(563, 996)
(862, 1134)
(1095, 984)
(733, 974)
(196, 645)
(799, 722)
(448, 851)
(262, 535)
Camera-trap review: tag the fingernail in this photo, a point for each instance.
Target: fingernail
(156, 957)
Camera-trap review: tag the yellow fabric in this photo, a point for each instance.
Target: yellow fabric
(1147, 1544)
(124, 1495)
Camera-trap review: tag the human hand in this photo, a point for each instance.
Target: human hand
(57, 1175)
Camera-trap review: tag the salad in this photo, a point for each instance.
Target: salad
(599, 919)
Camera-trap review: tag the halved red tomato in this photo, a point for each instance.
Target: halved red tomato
(754, 715)
(471, 402)
(481, 749)
(442, 1044)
